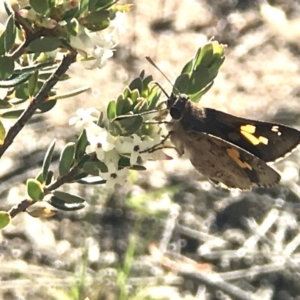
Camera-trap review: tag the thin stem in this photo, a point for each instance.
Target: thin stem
(20, 207)
(37, 101)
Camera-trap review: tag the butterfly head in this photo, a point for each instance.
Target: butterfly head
(177, 105)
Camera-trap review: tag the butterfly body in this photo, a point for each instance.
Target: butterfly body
(229, 150)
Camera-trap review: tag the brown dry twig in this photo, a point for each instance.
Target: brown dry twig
(37, 101)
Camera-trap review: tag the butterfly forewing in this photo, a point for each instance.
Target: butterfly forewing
(267, 141)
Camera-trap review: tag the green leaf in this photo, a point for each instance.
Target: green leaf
(12, 114)
(66, 159)
(126, 93)
(10, 33)
(126, 106)
(35, 189)
(39, 6)
(146, 83)
(93, 167)
(70, 15)
(5, 219)
(126, 125)
(98, 4)
(66, 201)
(84, 6)
(32, 83)
(2, 133)
(95, 17)
(80, 176)
(98, 27)
(125, 162)
(15, 79)
(6, 68)
(135, 94)
(46, 106)
(48, 159)
(81, 146)
(141, 106)
(182, 84)
(49, 178)
(71, 93)
(188, 67)
(136, 84)
(2, 44)
(45, 44)
(111, 110)
(206, 56)
(153, 97)
(5, 104)
(39, 177)
(193, 83)
(50, 65)
(119, 105)
(197, 96)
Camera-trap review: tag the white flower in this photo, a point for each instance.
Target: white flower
(117, 24)
(114, 176)
(85, 120)
(99, 45)
(134, 147)
(101, 143)
(101, 55)
(112, 157)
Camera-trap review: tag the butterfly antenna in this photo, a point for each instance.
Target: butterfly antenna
(162, 89)
(161, 72)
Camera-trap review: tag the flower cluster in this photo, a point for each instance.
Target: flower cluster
(109, 149)
(92, 37)
(101, 44)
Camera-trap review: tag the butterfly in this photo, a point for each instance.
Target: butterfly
(231, 151)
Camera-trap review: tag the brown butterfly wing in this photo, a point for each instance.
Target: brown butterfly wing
(225, 162)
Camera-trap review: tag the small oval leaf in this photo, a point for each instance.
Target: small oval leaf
(14, 79)
(66, 159)
(10, 33)
(81, 146)
(39, 6)
(45, 44)
(111, 110)
(35, 189)
(66, 201)
(127, 125)
(12, 114)
(68, 198)
(4, 219)
(32, 83)
(48, 159)
(6, 68)
(46, 106)
(95, 17)
(137, 84)
(2, 133)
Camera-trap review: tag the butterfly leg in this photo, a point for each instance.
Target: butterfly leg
(158, 146)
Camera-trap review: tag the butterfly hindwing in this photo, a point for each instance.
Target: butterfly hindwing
(227, 163)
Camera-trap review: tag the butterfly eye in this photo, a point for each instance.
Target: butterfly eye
(175, 113)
